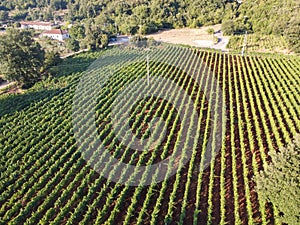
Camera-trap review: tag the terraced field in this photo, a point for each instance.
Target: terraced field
(52, 171)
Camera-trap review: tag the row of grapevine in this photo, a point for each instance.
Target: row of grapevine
(47, 177)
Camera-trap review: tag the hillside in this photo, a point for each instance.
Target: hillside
(162, 112)
(275, 17)
(49, 176)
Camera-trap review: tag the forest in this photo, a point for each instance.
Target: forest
(277, 17)
(143, 17)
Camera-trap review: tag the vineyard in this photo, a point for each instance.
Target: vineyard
(47, 177)
(259, 43)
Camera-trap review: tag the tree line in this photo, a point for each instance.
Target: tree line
(281, 18)
(143, 17)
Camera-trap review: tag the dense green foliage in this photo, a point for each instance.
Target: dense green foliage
(44, 179)
(270, 16)
(263, 16)
(279, 183)
(51, 59)
(21, 57)
(3, 15)
(131, 17)
(72, 44)
(275, 17)
(21, 4)
(158, 12)
(143, 42)
(87, 36)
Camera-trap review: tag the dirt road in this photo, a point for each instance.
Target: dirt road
(4, 85)
(222, 42)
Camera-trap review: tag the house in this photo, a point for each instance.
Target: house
(56, 34)
(36, 25)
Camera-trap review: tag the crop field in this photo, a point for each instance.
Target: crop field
(259, 43)
(52, 174)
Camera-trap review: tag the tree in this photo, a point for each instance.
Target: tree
(77, 32)
(140, 14)
(21, 57)
(127, 25)
(72, 44)
(17, 25)
(51, 59)
(279, 183)
(228, 27)
(95, 37)
(143, 42)
(104, 40)
(211, 31)
(139, 41)
(3, 15)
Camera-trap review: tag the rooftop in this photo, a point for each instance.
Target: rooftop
(56, 31)
(36, 23)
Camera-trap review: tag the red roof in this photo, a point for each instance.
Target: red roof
(56, 31)
(36, 23)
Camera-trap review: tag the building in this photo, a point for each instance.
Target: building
(36, 25)
(56, 34)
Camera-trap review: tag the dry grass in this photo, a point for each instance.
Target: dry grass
(193, 37)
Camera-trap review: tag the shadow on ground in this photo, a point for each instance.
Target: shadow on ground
(17, 102)
(75, 64)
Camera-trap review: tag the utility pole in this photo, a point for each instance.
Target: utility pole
(245, 43)
(148, 70)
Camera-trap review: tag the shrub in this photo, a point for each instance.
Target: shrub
(279, 183)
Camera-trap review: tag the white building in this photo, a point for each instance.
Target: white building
(56, 34)
(36, 25)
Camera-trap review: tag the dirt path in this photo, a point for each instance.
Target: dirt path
(121, 39)
(222, 43)
(73, 53)
(4, 85)
(9, 88)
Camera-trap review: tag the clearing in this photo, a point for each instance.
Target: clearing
(193, 37)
